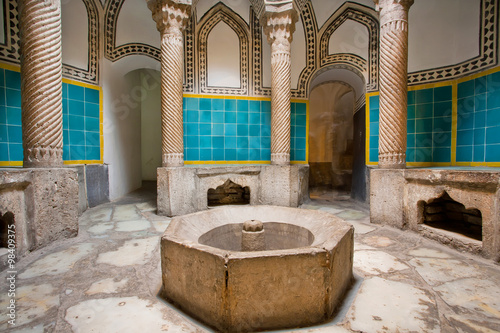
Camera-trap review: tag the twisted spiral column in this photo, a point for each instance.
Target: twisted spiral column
(279, 30)
(172, 131)
(393, 82)
(280, 108)
(41, 82)
(171, 20)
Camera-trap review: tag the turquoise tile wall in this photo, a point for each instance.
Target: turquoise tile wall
(81, 128)
(478, 119)
(236, 130)
(428, 125)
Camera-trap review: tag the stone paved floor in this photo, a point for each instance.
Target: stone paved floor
(107, 279)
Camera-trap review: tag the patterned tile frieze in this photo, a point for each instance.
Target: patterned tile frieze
(9, 51)
(366, 17)
(218, 13)
(257, 64)
(114, 52)
(487, 57)
(311, 32)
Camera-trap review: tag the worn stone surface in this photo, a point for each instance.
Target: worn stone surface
(246, 291)
(44, 203)
(465, 300)
(386, 197)
(97, 184)
(185, 190)
(398, 197)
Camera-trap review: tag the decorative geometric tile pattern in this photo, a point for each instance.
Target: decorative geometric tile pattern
(370, 21)
(10, 50)
(81, 120)
(218, 129)
(115, 52)
(487, 57)
(218, 13)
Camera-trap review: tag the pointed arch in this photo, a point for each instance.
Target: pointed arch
(367, 17)
(216, 14)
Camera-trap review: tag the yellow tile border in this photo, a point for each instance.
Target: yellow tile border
(10, 67)
(11, 164)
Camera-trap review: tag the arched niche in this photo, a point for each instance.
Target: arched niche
(211, 19)
(74, 27)
(351, 37)
(223, 57)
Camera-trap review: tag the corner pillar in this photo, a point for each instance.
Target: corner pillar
(41, 83)
(279, 28)
(171, 20)
(393, 82)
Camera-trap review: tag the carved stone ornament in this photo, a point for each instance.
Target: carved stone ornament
(393, 81)
(41, 82)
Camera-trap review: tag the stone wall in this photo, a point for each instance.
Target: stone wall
(44, 203)
(184, 190)
(397, 198)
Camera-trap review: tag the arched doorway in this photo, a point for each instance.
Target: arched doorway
(336, 134)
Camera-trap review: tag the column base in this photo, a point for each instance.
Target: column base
(392, 161)
(173, 160)
(280, 158)
(43, 157)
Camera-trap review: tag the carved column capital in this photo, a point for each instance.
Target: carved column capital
(279, 28)
(393, 11)
(171, 16)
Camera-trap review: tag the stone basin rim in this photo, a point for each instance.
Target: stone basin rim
(326, 228)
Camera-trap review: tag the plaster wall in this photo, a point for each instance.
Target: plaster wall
(74, 28)
(223, 57)
(241, 7)
(150, 123)
(350, 37)
(325, 8)
(448, 35)
(136, 25)
(122, 97)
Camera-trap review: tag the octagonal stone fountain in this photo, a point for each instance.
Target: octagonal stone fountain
(251, 268)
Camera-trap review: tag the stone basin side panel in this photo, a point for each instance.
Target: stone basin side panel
(339, 276)
(194, 280)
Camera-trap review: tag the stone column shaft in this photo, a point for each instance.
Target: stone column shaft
(171, 19)
(41, 82)
(279, 29)
(393, 82)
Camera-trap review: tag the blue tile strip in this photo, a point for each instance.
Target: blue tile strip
(81, 127)
(225, 130)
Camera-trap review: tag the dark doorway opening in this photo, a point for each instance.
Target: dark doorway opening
(447, 214)
(228, 193)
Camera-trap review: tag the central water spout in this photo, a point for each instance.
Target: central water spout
(253, 238)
